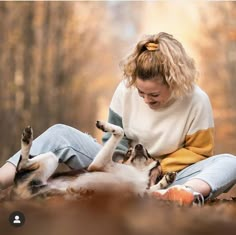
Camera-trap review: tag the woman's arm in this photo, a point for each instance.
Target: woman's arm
(197, 147)
(115, 119)
(7, 174)
(198, 142)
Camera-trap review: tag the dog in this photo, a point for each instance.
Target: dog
(35, 175)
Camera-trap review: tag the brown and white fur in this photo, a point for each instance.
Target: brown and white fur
(35, 177)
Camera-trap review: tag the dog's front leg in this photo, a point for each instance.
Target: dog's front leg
(104, 156)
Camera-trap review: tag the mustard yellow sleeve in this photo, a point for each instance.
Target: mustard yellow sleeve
(197, 147)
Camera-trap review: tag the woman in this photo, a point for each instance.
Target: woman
(160, 106)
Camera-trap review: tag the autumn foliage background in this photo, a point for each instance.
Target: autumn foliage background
(59, 61)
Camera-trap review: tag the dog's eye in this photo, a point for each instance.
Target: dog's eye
(129, 152)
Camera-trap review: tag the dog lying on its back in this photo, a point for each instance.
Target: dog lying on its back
(35, 175)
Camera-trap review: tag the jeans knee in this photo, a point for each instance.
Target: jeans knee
(226, 157)
(64, 130)
(57, 127)
(229, 155)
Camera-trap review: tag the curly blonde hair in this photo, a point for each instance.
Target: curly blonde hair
(161, 56)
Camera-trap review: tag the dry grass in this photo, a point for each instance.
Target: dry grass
(112, 216)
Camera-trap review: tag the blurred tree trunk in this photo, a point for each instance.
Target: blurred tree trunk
(218, 42)
(60, 25)
(44, 77)
(28, 59)
(50, 66)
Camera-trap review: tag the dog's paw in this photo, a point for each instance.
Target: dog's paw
(108, 127)
(27, 135)
(101, 125)
(170, 177)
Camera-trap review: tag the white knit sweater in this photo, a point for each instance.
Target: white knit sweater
(179, 134)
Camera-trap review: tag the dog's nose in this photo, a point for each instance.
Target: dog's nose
(138, 147)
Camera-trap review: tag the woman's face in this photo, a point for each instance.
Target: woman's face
(154, 93)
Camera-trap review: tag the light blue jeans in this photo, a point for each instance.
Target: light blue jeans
(77, 150)
(73, 147)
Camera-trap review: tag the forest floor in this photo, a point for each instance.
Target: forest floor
(126, 216)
